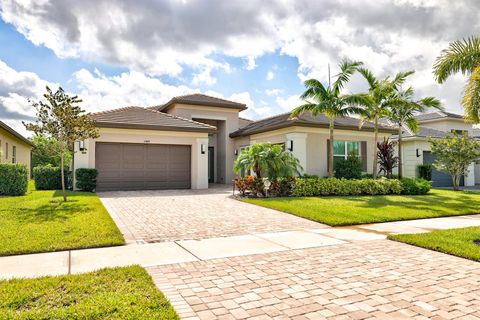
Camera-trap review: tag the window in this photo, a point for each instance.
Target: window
(6, 150)
(341, 149)
(14, 154)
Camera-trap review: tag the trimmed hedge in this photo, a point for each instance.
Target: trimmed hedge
(13, 179)
(47, 178)
(425, 171)
(343, 187)
(414, 186)
(86, 179)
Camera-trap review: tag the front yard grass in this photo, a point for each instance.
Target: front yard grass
(116, 293)
(351, 210)
(458, 242)
(39, 222)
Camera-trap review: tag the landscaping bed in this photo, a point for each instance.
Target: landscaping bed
(116, 293)
(39, 222)
(351, 210)
(462, 242)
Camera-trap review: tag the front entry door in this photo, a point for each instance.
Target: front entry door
(211, 165)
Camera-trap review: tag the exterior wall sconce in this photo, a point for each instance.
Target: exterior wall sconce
(418, 153)
(236, 152)
(290, 145)
(81, 146)
(202, 148)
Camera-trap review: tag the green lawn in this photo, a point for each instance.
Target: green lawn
(338, 211)
(40, 222)
(458, 242)
(116, 293)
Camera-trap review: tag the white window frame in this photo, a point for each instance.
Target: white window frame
(345, 156)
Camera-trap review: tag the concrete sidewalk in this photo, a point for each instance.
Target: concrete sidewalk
(155, 254)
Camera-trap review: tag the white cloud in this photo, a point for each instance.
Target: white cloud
(204, 77)
(273, 92)
(270, 75)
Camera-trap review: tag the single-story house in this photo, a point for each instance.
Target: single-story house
(14, 148)
(193, 140)
(416, 148)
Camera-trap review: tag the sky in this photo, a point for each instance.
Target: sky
(118, 53)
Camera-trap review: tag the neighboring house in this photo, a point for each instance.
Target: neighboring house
(416, 148)
(14, 148)
(193, 140)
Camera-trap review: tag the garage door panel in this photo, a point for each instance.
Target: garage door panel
(139, 166)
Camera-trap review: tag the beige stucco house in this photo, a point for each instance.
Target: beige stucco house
(193, 140)
(416, 148)
(14, 148)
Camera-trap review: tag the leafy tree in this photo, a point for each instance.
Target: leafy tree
(269, 159)
(46, 151)
(386, 157)
(378, 102)
(454, 154)
(403, 108)
(463, 56)
(61, 118)
(331, 101)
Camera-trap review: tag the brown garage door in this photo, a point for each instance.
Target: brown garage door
(128, 166)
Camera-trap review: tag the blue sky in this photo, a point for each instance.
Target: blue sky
(259, 52)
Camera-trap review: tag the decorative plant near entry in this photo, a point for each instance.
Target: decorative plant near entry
(454, 155)
(62, 119)
(386, 157)
(267, 159)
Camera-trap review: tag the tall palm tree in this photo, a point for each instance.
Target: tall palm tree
(330, 101)
(377, 105)
(463, 56)
(403, 108)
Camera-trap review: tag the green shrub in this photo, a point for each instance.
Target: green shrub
(412, 186)
(47, 178)
(343, 187)
(86, 179)
(425, 171)
(13, 179)
(350, 168)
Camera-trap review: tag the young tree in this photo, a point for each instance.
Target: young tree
(331, 101)
(61, 118)
(463, 56)
(267, 158)
(46, 151)
(454, 154)
(403, 108)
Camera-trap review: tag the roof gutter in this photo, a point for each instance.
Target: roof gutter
(152, 127)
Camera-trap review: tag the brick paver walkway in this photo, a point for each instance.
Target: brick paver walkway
(154, 216)
(377, 279)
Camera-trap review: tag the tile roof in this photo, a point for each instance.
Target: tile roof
(7, 128)
(423, 132)
(437, 115)
(305, 120)
(201, 99)
(144, 118)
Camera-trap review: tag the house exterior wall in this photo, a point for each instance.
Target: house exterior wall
(448, 124)
(310, 145)
(199, 161)
(23, 150)
(227, 122)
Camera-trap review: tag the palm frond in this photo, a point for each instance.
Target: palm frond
(431, 102)
(347, 69)
(315, 89)
(306, 107)
(412, 124)
(460, 56)
(471, 98)
(400, 78)
(368, 75)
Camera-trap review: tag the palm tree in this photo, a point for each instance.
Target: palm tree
(330, 101)
(267, 158)
(403, 108)
(377, 105)
(463, 56)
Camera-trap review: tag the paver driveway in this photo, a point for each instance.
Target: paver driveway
(378, 279)
(154, 216)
